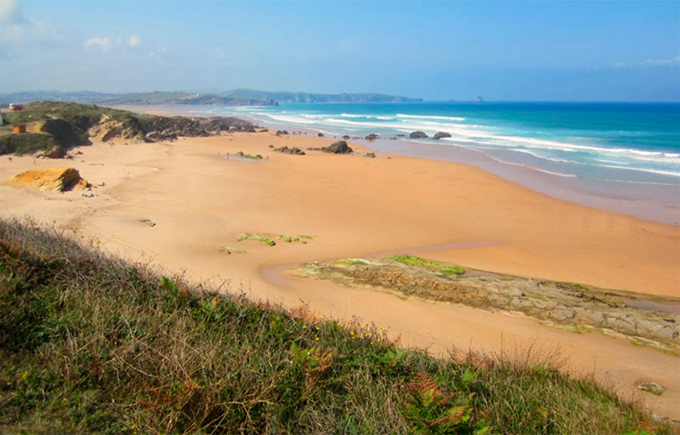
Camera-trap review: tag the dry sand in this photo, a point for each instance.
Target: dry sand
(356, 206)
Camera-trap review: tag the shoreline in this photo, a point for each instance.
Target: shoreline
(649, 201)
(199, 201)
(658, 203)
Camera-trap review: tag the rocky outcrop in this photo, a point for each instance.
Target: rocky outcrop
(371, 137)
(339, 147)
(69, 124)
(294, 151)
(163, 128)
(441, 134)
(55, 179)
(417, 135)
(575, 306)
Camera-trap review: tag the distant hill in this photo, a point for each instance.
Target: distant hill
(144, 98)
(68, 97)
(185, 98)
(304, 97)
(236, 97)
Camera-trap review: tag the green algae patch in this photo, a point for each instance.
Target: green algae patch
(270, 238)
(230, 250)
(444, 268)
(249, 156)
(255, 237)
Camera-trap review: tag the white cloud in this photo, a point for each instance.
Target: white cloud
(20, 35)
(217, 53)
(157, 54)
(134, 40)
(8, 11)
(105, 43)
(97, 43)
(654, 62)
(647, 63)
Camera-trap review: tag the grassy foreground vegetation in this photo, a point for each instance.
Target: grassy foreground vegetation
(93, 344)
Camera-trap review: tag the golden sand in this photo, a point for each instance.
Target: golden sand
(177, 204)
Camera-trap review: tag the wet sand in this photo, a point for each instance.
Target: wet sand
(355, 206)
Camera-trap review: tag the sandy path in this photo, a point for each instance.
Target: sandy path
(355, 206)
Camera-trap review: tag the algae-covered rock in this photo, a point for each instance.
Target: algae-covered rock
(294, 151)
(652, 387)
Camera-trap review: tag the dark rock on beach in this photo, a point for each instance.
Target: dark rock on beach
(418, 135)
(371, 137)
(294, 151)
(441, 134)
(339, 147)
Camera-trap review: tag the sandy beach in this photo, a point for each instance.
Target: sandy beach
(175, 204)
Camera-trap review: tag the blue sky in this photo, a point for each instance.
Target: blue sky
(503, 50)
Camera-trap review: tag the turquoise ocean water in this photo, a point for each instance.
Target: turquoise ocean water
(620, 151)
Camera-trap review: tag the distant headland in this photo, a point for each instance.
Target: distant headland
(236, 97)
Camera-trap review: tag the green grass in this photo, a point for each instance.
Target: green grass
(93, 344)
(82, 116)
(431, 265)
(230, 250)
(26, 143)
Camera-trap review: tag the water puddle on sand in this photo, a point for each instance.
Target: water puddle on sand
(664, 307)
(276, 275)
(236, 158)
